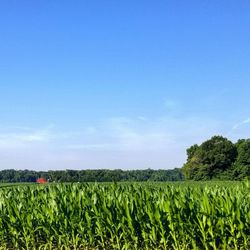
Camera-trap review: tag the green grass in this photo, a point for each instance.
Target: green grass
(184, 215)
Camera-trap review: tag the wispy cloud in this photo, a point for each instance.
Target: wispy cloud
(172, 106)
(241, 123)
(169, 104)
(237, 130)
(162, 134)
(23, 137)
(118, 142)
(92, 146)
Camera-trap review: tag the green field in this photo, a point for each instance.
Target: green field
(183, 215)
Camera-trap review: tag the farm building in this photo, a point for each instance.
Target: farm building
(41, 180)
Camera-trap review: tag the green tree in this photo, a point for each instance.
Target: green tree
(210, 159)
(242, 164)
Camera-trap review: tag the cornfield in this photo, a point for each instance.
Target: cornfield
(125, 216)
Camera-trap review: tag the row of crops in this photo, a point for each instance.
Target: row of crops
(125, 216)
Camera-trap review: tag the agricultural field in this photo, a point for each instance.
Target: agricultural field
(183, 215)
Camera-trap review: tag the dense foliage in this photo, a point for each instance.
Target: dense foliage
(102, 175)
(125, 216)
(218, 158)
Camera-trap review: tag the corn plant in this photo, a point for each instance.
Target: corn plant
(126, 216)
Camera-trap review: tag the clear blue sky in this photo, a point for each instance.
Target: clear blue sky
(120, 84)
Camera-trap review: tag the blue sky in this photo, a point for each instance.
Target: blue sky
(120, 84)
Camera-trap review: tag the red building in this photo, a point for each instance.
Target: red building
(41, 180)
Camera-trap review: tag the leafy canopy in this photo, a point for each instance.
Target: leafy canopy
(210, 159)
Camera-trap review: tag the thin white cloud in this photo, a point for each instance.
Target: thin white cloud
(142, 118)
(239, 130)
(21, 137)
(119, 142)
(123, 142)
(170, 104)
(241, 123)
(92, 146)
(123, 133)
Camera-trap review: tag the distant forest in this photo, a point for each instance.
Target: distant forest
(101, 175)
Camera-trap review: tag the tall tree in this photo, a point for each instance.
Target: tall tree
(211, 158)
(242, 164)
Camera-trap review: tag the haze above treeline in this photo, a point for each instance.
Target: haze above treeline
(215, 159)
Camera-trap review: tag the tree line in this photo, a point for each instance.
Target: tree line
(218, 158)
(101, 175)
